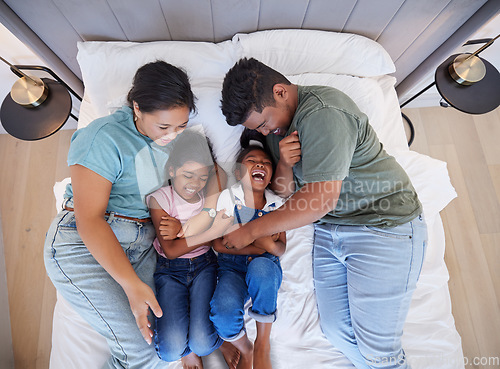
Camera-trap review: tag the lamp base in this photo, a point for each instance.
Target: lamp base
(478, 98)
(42, 121)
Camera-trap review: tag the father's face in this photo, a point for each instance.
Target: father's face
(273, 119)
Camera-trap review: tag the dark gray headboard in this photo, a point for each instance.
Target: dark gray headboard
(418, 34)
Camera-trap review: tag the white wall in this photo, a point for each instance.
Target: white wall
(491, 54)
(15, 52)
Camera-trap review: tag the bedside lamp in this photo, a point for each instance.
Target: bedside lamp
(36, 108)
(466, 82)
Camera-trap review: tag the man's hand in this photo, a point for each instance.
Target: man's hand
(237, 237)
(290, 150)
(290, 154)
(141, 297)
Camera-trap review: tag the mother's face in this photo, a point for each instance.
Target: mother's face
(162, 126)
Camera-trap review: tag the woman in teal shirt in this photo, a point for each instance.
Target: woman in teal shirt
(98, 250)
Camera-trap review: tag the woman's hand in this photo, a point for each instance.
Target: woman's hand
(170, 228)
(221, 223)
(141, 298)
(196, 225)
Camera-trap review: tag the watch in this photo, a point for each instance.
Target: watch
(211, 212)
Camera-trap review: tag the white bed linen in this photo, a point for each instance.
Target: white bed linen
(430, 338)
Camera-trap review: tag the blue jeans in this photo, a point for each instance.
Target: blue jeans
(242, 277)
(94, 294)
(184, 289)
(364, 279)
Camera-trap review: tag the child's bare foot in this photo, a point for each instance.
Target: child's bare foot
(262, 355)
(192, 361)
(231, 354)
(246, 352)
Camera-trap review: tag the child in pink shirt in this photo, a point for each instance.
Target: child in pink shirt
(186, 272)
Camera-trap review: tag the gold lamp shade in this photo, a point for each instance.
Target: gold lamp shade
(467, 69)
(29, 93)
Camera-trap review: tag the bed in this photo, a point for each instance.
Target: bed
(309, 58)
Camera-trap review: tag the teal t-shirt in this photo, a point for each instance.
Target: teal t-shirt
(338, 144)
(113, 148)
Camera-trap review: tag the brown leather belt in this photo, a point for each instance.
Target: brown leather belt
(143, 220)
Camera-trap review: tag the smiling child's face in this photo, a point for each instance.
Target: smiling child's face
(255, 170)
(189, 179)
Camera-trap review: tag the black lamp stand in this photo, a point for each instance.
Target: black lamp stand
(35, 123)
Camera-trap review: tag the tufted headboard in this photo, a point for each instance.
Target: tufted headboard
(418, 34)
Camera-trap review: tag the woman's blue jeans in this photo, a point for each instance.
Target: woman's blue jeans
(364, 279)
(184, 289)
(94, 294)
(242, 277)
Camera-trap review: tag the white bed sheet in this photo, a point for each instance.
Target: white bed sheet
(430, 338)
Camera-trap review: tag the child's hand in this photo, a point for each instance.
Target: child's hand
(290, 150)
(276, 236)
(169, 228)
(270, 245)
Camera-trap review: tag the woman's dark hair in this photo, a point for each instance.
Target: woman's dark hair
(252, 140)
(248, 86)
(190, 145)
(159, 86)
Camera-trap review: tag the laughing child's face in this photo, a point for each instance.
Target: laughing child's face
(255, 170)
(189, 179)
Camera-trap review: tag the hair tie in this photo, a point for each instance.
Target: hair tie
(255, 143)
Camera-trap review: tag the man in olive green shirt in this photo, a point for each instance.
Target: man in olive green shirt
(369, 232)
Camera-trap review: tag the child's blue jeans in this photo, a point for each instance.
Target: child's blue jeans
(184, 289)
(242, 277)
(364, 279)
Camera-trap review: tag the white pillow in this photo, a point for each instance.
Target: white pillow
(300, 51)
(109, 67)
(371, 100)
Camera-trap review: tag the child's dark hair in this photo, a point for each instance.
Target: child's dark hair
(159, 86)
(247, 87)
(252, 140)
(190, 145)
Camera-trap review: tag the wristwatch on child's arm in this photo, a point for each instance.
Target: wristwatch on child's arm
(211, 212)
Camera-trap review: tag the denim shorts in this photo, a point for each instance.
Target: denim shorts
(242, 277)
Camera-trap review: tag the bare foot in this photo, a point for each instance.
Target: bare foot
(231, 354)
(246, 352)
(262, 355)
(192, 361)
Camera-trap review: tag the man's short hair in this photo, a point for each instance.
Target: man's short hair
(247, 87)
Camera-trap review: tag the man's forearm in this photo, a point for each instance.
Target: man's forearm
(283, 183)
(309, 204)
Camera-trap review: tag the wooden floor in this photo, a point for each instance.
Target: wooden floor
(469, 144)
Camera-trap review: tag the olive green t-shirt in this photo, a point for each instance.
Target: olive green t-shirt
(338, 144)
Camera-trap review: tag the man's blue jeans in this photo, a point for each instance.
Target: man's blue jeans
(184, 289)
(242, 277)
(364, 279)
